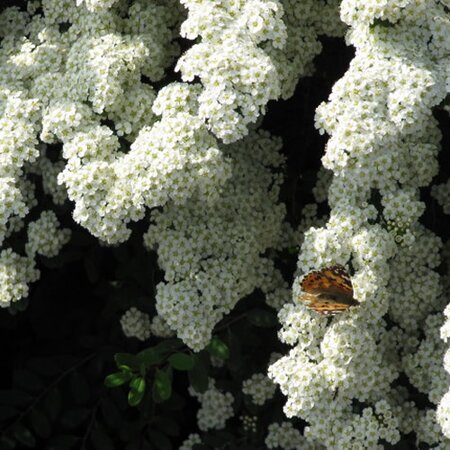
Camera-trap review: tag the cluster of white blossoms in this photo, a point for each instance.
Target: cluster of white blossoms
(80, 73)
(65, 70)
(259, 387)
(159, 327)
(136, 324)
(382, 150)
(190, 442)
(251, 51)
(249, 423)
(16, 272)
(216, 407)
(45, 237)
(441, 193)
(97, 5)
(212, 252)
(285, 437)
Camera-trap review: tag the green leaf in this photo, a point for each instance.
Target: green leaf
(52, 403)
(162, 386)
(159, 440)
(156, 354)
(79, 388)
(74, 418)
(117, 379)
(40, 423)
(150, 357)
(263, 318)
(137, 391)
(100, 439)
(168, 345)
(62, 442)
(24, 435)
(198, 376)
(27, 380)
(127, 360)
(218, 348)
(181, 361)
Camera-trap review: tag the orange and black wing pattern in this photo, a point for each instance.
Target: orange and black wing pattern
(328, 291)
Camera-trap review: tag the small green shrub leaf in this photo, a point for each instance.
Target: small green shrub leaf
(127, 360)
(198, 376)
(181, 361)
(117, 379)
(162, 386)
(149, 357)
(218, 348)
(137, 391)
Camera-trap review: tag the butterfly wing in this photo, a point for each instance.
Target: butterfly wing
(328, 291)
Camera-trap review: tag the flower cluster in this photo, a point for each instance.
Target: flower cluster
(249, 423)
(212, 252)
(284, 436)
(441, 193)
(190, 442)
(237, 75)
(16, 272)
(216, 407)
(45, 237)
(383, 147)
(59, 83)
(251, 51)
(85, 106)
(159, 327)
(259, 388)
(136, 324)
(76, 74)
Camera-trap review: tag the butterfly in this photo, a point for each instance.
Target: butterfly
(328, 291)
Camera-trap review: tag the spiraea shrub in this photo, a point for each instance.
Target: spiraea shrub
(224, 224)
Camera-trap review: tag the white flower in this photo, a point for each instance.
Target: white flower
(216, 408)
(259, 388)
(136, 324)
